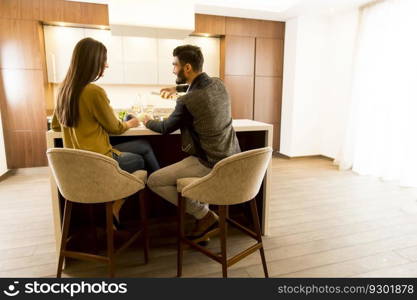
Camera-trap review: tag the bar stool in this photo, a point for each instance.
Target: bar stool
(88, 177)
(233, 180)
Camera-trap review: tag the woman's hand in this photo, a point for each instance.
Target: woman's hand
(134, 122)
(168, 92)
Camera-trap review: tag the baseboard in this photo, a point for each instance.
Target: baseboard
(6, 175)
(281, 155)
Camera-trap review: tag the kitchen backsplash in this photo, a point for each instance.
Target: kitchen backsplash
(125, 96)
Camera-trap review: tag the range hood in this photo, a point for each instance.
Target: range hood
(152, 18)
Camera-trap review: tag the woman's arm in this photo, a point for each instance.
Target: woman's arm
(104, 114)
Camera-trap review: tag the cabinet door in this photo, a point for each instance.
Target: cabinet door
(210, 24)
(211, 53)
(165, 58)
(239, 55)
(267, 103)
(59, 45)
(269, 57)
(140, 60)
(114, 73)
(240, 90)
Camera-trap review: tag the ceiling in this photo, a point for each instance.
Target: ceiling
(279, 10)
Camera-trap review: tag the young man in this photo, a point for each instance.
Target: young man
(204, 117)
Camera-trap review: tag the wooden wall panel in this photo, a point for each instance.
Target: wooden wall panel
(20, 9)
(73, 12)
(52, 10)
(254, 28)
(25, 148)
(214, 25)
(20, 48)
(276, 136)
(241, 27)
(270, 29)
(240, 90)
(222, 57)
(239, 55)
(25, 106)
(96, 14)
(269, 57)
(268, 91)
(23, 79)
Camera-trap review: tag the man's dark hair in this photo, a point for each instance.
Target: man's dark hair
(189, 54)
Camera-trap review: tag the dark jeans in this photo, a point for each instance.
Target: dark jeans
(136, 155)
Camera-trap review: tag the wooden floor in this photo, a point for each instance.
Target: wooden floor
(324, 223)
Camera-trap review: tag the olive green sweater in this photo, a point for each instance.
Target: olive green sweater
(96, 121)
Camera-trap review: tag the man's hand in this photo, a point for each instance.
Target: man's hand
(146, 118)
(168, 93)
(134, 122)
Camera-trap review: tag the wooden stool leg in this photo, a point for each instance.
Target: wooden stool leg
(110, 238)
(255, 218)
(64, 237)
(223, 212)
(144, 224)
(180, 233)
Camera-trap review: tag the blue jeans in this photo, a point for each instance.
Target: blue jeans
(136, 155)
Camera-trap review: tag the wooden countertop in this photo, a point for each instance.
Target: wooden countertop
(239, 125)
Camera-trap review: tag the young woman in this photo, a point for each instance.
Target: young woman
(84, 115)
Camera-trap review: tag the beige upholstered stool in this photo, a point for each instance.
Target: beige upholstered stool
(234, 180)
(88, 177)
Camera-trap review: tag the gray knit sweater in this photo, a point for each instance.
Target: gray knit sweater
(204, 116)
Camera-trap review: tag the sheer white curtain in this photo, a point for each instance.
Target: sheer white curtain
(381, 137)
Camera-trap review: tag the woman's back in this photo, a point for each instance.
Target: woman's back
(96, 121)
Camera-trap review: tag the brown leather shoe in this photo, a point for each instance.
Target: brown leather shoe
(205, 228)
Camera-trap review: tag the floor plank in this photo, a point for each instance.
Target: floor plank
(324, 223)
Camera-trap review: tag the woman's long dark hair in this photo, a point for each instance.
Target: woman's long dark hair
(87, 65)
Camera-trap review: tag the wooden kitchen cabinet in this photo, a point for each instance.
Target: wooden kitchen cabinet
(269, 58)
(240, 88)
(239, 55)
(268, 83)
(252, 51)
(210, 24)
(19, 44)
(267, 100)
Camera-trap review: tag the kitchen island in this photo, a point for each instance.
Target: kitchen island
(167, 148)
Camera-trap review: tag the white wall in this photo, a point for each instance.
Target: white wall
(3, 162)
(316, 90)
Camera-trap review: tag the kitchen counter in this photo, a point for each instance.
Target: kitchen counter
(251, 135)
(238, 125)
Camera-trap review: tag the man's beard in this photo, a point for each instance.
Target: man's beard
(181, 78)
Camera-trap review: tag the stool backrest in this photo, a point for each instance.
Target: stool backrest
(233, 180)
(89, 177)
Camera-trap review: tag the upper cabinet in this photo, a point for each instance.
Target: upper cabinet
(140, 59)
(209, 24)
(59, 44)
(114, 73)
(131, 60)
(254, 28)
